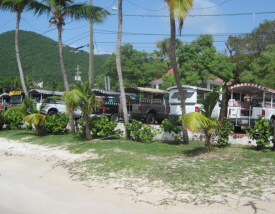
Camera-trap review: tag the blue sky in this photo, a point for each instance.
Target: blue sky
(143, 31)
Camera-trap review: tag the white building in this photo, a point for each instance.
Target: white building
(156, 83)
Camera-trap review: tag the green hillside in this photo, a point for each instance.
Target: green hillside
(40, 58)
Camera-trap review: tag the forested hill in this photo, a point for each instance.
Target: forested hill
(40, 58)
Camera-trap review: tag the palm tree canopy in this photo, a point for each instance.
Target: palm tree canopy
(62, 9)
(209, 102)
(179, 9)
(82, 97)
(197, 121)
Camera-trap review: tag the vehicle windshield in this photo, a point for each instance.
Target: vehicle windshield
(16, 98)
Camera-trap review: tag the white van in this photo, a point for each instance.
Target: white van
(191, 94)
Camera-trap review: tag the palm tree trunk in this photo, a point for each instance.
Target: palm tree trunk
(87, 128)
(71, 114)
(176, 74)
(207, 145)
(18, 17)
(118, 64)
(224, 105)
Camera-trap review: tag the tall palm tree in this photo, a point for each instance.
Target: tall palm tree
(83, 98)
(118, 64)
(18, 6)
(62, 9)
(178, 9)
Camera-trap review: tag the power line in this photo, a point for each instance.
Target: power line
(212, 6)
(145, 8)
(205, 15)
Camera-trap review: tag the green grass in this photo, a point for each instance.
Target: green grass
(184, 168)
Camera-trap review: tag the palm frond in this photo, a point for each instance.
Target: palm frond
(209, 102)
(196, 121)
(35, 119)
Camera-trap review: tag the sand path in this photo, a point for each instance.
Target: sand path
(33, 180)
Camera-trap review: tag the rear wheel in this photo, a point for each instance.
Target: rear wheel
(114, 117)
(52, 112)
(151, 119)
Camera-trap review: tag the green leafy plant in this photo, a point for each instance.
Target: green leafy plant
(141, 133)
(13, 120)
(172, 126)
(261, 132)
(57, 124)
(223, 133)
(100, 127)
(2, 119)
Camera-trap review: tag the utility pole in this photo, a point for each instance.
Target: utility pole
(78, 77)
(91, 73)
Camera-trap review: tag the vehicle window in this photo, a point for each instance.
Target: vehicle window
(176, 95)
(16, 98)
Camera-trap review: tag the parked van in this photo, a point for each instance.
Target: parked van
(248, 101)
(192, 95)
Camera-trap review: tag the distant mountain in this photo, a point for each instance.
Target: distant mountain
(40, 58)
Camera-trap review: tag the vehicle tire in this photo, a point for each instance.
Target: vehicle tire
(114, 117)
(151, 119)
(52, 112)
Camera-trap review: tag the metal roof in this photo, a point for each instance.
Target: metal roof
(99, 92)
(5, 95)
(145, 90)
(250, 88)
(48, 92)
(190, 87)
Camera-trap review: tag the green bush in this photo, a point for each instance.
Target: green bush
(2, 119)
(100, 127)
(261, 132)
(56, 124)
(172, 126)
(223, 132)
(13, 120)
(141, 133)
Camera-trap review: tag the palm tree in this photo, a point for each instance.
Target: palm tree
(83, 98)
(202, 121)
(118, 64)
(30, 113)
(18, 6)
(178, 9)
(62, 9)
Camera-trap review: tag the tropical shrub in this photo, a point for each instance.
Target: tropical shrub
(2, 119)
(13, 120)
(141, 133)
(223, 133)
(57, 124)
(261, 132)
(100, 127)
(172, 126)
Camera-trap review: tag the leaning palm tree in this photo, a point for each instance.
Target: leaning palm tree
(62, 9)
(203, 121)
(83, 98)
(178, 9)
(118, 64)
(18, 6)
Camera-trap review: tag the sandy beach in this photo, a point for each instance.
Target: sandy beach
(35, 179)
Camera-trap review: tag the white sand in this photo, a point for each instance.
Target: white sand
(33, 180)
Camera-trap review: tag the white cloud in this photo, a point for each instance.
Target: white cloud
(206, 24)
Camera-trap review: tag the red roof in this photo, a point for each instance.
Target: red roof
(172, 72)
